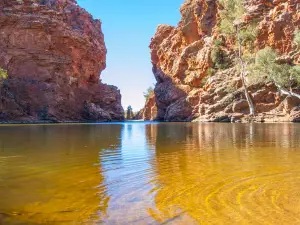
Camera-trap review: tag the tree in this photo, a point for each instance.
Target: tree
(243, 65)
(267, 68)
(149, 93)
(296, 44)
(297, 38)
(219, 56)
(231, 26)
(3, 76)
(129, 113)
(232, 10)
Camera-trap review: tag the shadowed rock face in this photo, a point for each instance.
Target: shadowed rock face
(149, 112)
(181, 57)
(54, 52)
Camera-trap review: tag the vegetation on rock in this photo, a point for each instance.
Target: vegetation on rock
(129, 113)
(3, 76)
(54, 68)
(204, 65)
(219, 56)
(267, 69)
(149, 92)
(232, 26)
(232, 10)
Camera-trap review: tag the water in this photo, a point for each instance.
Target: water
(147, 173)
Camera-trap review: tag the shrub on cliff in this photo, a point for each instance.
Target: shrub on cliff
(296, 44)
(218, 55)
(243, 35)
(232, 9)
(232, 12)
(234, 29)
(297, 38)
(3, 76)
(149, 93)
(267, 69)
(210, 72)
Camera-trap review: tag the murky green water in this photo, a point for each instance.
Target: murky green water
(142, 173)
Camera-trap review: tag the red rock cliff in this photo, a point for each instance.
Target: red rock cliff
(54, 52)
(181, 57)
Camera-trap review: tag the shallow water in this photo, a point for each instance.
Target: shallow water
(147, 173)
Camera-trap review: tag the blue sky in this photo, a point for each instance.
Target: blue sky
(128, 26)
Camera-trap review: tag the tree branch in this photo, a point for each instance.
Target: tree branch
(286, 91)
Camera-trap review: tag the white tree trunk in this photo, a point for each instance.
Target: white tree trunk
(242, 74)
(286, 91)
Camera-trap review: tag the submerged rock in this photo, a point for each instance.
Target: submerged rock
(54, 52)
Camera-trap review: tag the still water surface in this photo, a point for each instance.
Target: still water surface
(147, 173)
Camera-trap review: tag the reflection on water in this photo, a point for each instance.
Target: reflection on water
(146, 173)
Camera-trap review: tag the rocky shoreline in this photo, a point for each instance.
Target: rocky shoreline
(195, 66)
(53, 52)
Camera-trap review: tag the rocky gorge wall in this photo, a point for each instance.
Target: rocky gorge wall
(181, 58)
(54, 52)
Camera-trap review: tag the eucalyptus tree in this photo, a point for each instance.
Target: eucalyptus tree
(233, 27)
(283, 75)
(129, 113)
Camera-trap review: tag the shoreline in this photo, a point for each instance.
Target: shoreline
(141, 121)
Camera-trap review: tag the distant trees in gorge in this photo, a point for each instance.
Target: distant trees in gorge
(149, 92)
(129, 113)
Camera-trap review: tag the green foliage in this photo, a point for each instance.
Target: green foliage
(218, 43)
(129, 113)
(295, 73)
(232, 10)
(248, 35)
(232, 13)
(265, 58)
(3, 74)
(211, 72)
(3, 77)
(267, 69)
(265, 66)
(149, 93)
(219, 56)
(204, 81)
(297, 37)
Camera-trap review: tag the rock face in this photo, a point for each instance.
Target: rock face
(181, 58)
(54, 52)
(149, 112)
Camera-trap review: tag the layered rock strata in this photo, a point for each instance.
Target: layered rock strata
(149, 112)
(53, 52)
(181, 58)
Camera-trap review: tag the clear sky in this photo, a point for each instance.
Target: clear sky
(128, 26)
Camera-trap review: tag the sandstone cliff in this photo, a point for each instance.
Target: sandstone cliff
(149, 112)
(54, 52)
(181, 58)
